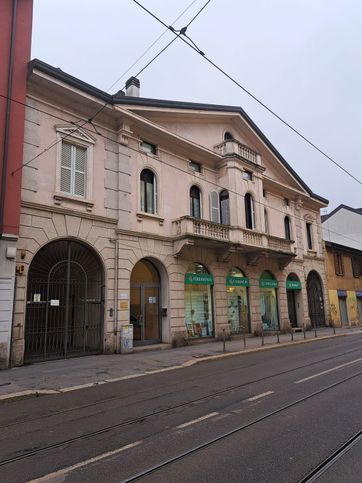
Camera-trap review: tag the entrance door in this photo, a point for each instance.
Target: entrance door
(315, 300)
(145, 304)
(64, 315)
(292, 311)
(343, 310)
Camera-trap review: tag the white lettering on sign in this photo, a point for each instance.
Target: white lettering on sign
(54, 303)
(152, 300)
(37, 297)
(124, 296)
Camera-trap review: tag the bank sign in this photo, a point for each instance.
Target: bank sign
(237, 281)
(293, 285)
(268, 283)
(199, 279)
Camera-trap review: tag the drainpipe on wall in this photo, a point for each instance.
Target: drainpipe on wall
(116, 297)
(7, 117)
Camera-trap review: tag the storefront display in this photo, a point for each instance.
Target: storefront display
(198, 302)
(237, 299)
(269, 301)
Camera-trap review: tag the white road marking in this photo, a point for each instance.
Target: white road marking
(329, 370)
(254, 398)
(100, 457)
(194, 421)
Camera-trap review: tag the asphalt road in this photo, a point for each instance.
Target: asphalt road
(278, 416)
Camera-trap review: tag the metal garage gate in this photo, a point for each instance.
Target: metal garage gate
(64, 315)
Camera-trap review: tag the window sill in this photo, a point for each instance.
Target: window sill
(59, 198)
(141, 215)
(312, 253)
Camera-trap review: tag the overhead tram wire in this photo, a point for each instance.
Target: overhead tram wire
(91, 119)
(150, 47)
(213, 183)
(286, 123)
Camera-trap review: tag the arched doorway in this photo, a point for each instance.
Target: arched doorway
(315, 300)
(237, 298)
(145, 303)
(293, 287)
(64, 314)
(268, 286)
(198, 301)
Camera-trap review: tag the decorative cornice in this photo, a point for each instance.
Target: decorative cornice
(66, 211)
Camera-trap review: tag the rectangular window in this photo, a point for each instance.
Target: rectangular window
(247, 175)
(309, 236)
(73, 169)
(195, 166)
(356, 267)
(148, 147)
(338, 264)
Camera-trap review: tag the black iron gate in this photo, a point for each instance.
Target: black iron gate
(315, 300)
(64, 316)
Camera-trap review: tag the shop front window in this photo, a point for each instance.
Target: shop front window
(198, 302)
(269, 301)
(237, 298)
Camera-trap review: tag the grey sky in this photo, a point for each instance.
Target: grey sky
(303, 58)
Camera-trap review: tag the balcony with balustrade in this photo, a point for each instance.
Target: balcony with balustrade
(232, 147)
(207, 234)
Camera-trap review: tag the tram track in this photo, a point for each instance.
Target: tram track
(91, 434)
(308, 479)
(177, 406)
(327, 463)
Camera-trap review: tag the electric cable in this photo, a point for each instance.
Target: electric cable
(296, 131)
(210, 182)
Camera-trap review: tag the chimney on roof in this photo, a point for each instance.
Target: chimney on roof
(133, 87)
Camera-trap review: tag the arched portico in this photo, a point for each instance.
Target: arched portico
(64, 314)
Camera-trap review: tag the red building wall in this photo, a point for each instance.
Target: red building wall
(16, 37)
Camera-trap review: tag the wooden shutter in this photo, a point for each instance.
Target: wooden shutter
(214, 207)
(80, 168)
(66, 168)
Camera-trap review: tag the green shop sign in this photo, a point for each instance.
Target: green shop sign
(293, 285)
(199, 279)
(237, 281)
(268, 283)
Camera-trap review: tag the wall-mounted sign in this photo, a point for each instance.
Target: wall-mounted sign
(237, 281)
(268, 283)
(152, 300)
(358, 293)
(199, 279)
(293, 285)
(37, 297)
(124, 296)
(54, 303)
(123, 304)
(342, 293)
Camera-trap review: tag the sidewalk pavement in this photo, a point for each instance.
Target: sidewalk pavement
(76, 373)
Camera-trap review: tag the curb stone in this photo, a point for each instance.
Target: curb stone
(33, 393)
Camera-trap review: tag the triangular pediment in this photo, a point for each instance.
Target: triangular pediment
(75, 132)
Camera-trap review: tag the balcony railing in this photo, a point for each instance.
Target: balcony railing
(234, 235)
(235, 147)
(203, 228)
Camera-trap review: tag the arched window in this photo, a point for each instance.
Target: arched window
(249, 212)
(148, 191)
(224, 207)
(288, 233)
(228, 136)
(266, 222)
(195, 202)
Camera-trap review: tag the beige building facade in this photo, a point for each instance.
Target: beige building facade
(180, 218)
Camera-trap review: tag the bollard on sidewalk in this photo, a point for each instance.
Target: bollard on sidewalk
(262, 335)
(304, 333)
(334, 327)
(278, 340)
(223, 341)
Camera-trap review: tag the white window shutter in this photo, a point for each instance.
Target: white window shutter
(66, 168)
(214, 207)
(80, 166)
